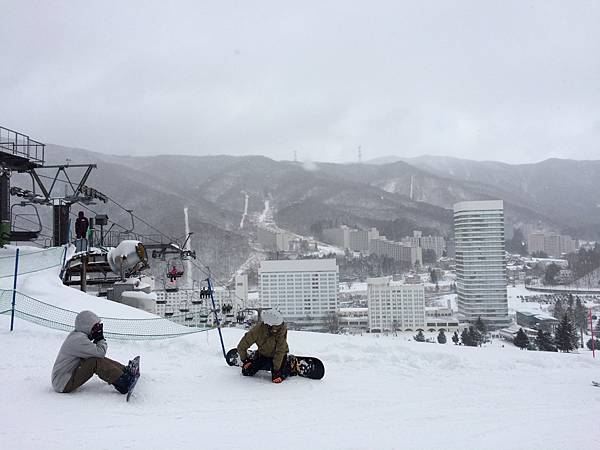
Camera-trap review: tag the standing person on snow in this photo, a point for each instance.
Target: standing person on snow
(82, 355)
(270, 336)
(81, 226)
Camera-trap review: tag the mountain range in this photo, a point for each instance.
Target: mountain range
(396, 195)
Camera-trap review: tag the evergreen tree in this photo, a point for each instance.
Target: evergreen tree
(441, 337)
(521, 339)
(465, 337)
(551, 272)
(480, 325)
(420, 337)
(476, 336)
(543, 341)
(581, 314)
(596, 344)
(433, 275)
(559, 309)
(455, 338)
(566, 335)
(570, 300)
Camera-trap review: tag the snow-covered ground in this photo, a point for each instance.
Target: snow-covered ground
(378, 393)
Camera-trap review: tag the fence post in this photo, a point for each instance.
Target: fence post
(216, 317)
(12, 313)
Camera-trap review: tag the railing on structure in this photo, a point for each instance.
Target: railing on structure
(21, 145)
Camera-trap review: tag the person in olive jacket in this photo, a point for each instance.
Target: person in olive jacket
(270, 336)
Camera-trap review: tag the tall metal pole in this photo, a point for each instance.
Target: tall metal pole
(592, 331)
(12, 314)
(84, 266)
(210, 290)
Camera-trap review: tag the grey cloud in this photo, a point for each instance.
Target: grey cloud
(515, 81)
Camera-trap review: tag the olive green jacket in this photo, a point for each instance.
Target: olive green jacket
(269, 345)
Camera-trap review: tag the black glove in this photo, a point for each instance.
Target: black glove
(246, 366)
(97, 333)
(276, 376)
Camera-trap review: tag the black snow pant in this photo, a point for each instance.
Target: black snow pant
(260, 362)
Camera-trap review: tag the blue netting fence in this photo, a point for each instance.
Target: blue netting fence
(50, 316)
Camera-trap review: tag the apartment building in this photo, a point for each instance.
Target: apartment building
(305, 291)
(273, 239)
(480, 262)
(435, 243)
(406, 252)
(395, 306)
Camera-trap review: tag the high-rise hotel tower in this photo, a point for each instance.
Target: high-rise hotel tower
(480, 262)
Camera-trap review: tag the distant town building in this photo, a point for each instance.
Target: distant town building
(350, 239)
(450, 248)
(337, 236)
(273, 239)
(440, 318)
(304, 291)
(405, 252)
(435, 243)
(552, 244)
(480, 262)
(358, 240)
(537, 321)
(395, 306)
(370, 242)
(353, 320)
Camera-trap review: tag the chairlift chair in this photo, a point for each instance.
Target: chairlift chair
(196, 300)
(175, 269)
(31, 217)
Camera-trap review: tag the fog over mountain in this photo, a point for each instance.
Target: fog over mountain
(396, 197)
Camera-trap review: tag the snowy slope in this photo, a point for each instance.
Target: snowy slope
(378, 393)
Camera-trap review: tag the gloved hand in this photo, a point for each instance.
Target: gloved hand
(246, 366)
(97, 333)
(276, 376)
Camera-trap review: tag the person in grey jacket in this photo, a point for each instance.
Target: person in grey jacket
(83, 354)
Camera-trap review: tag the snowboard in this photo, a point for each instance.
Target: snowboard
(302, 366)
(596, 383)
(134, 369)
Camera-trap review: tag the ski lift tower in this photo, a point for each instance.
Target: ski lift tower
(18, 153)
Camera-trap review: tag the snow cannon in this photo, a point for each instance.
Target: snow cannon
(128, 257)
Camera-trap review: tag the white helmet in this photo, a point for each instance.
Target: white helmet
(272, 317)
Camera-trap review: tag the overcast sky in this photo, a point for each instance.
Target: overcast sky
(515, 81)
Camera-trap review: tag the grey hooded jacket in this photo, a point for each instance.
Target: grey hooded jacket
(77, 346)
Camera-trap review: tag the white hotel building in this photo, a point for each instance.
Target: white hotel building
(395, 306)
(480, 262)
(304, 291)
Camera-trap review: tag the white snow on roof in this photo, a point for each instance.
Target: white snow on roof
(298, 265)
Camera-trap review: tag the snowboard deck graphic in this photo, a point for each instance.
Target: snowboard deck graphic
(134, 369)
(302, 366)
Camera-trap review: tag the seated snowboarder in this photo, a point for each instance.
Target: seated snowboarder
(82, 355)
(270, 336)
